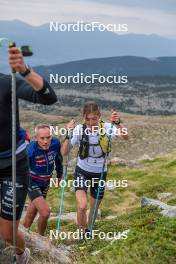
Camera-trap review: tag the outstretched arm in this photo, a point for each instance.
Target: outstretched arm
(66, 144)
(34, 88)
(115, 119)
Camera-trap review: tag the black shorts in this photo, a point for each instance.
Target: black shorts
(6, 189)
(35, 190)
(84, 179)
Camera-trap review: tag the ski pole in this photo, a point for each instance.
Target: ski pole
(13, 73)
(14, 133)
(101, 178)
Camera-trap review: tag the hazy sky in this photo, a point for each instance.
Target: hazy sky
(142, 16)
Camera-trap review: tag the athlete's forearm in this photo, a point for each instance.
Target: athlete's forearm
(123, 131)
(35, 80)
(64, 148)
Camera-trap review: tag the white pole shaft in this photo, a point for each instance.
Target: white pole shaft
(14, 158)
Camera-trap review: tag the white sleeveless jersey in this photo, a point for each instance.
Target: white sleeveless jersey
(93, 163)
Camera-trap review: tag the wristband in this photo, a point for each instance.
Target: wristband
(117, 122)
(27, 71)
(67, 136)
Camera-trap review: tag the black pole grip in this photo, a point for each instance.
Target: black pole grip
(26, 51)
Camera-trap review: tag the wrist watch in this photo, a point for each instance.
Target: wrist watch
(27, 71)
(117, 122)
(67, 137)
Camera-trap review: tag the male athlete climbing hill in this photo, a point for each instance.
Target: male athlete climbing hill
(44, 156)
(35, 89)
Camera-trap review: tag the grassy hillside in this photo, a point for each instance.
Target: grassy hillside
(151, 239)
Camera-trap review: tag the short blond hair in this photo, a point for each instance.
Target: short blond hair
(39, 126)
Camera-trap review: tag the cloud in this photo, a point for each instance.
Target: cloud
(167, 6)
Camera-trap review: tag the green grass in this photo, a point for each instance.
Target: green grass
(150, 240)
(152, 237)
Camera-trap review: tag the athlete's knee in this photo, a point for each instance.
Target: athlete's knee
(31, 215)
(6, 235)
(31, 211)
(45, 213)
(82, 206)
(28, 219)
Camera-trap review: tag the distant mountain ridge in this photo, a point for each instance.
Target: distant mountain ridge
(60, 47)
(125, 65)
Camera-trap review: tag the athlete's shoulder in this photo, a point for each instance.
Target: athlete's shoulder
(5, 77)
(31, 147)
(78, 128)
(107, 124)
(55, 143)
(5, 80)
(77, 131)
(55, 140)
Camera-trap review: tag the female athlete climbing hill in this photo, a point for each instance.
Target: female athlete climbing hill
(94, 138)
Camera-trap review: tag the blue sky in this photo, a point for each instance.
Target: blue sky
(142, 16)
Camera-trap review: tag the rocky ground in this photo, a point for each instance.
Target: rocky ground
(148, 135)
